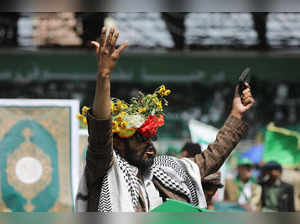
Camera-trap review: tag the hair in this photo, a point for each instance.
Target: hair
(192, 149)
(272, 165)
(116, 139)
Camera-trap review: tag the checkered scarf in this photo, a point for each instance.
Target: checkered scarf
(119, 190)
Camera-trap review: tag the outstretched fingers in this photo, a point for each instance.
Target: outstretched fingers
(102, 36)
(120, 49)
(108, 44)
(97, 45)
(114, 41)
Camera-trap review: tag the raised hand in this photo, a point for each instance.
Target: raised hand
(107, 57)
(242, 103)
(107, 54)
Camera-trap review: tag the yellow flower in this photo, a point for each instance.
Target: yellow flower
(155, 100)
(84, 110)
(155, 95)
(80, 116)
(124, 106)
(126, 132)
(167, 92)
(119, 103)
(142, 110)
(124, 114)
(112, 105)
(114, 124)
(119, 117)
(159, 105)
(116, 130)
(162, 90)
(123, 124)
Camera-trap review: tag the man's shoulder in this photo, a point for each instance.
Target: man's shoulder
(166, 160)
(183, 168)
(256, 186)
(171, 164)
(286, 186)
(229, 182)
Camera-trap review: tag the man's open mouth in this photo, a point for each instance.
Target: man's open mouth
(150, 151)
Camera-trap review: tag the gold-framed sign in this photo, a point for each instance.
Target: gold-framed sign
(39, 160)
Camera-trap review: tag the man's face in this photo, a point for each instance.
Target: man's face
(270, 176)
(273, 175)
(140, 152)
(244, 172)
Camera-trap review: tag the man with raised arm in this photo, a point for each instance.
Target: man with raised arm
(123, 172)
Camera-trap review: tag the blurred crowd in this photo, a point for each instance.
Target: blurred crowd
(253, 187)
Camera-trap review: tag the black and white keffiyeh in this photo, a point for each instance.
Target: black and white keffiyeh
(119, 190)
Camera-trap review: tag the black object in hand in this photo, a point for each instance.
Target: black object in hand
(244, 77)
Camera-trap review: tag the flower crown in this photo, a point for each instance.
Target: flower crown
(144, 114)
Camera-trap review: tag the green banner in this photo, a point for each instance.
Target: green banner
(35, 157)
(282, 145)
(148, 67)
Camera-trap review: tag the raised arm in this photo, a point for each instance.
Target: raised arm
(107, 57)
(100, 148)
(229, 135)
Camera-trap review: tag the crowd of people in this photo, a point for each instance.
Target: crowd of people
(267, 192)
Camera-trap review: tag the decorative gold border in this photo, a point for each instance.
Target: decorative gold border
(28, 191)
(56, 120)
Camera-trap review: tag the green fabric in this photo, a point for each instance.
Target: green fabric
(271, 195)
(282, 145)
(244, 161)
(177, 206)
(228, 207)
(240, 184)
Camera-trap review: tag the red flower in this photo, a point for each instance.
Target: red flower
(161, 120)
(149, 128)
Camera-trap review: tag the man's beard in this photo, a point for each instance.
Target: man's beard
(138, 160)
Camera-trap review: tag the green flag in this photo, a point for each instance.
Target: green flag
(202, 133)
(282, 145)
